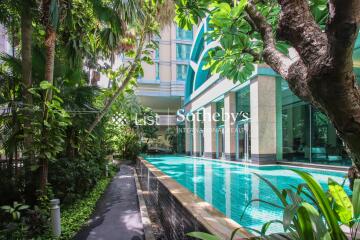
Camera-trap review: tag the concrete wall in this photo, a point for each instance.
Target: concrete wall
(263, 119)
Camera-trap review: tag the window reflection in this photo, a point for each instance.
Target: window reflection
(308, 135)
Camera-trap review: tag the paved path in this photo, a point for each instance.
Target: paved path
(117, 214)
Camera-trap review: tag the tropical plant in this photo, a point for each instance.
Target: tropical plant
(311, 213)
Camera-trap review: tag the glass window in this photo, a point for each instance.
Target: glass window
(182, 34)
(181, 72)
(308, 135)
(243, 103)
(296, 124)
(157, 52)
(183, 51)
(220, 112)
(157, 71)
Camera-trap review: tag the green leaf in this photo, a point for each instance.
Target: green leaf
(239, 8)
(274, 188)
(23, 207)
(45, 85)
(343, 206)
(317, 223)
(282, 47)
(6, 208)
(306, 226)
(203, 236)
(34, 92)
(356, 198)
(266, 226)
(323, 204)
(289, 214)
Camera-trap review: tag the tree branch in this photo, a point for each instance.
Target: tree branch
(297, 26)
(129, 75)
(342, 30)
(292, 70)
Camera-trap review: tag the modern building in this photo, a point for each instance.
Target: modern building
(271, 124)
(162, 86)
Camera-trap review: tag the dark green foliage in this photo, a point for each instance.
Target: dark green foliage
(21, 222)
(73, 178)
(75, 216)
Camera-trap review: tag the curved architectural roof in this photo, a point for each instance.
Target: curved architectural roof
(197, 76)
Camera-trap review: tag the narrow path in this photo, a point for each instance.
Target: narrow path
(117, 215)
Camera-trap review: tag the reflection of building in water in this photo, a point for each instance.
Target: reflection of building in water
(208, 182)
(228, 191)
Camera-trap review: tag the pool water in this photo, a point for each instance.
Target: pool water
(230, 186)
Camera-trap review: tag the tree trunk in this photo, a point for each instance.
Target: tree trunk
(50, 41)
(26, 64)
(322, 73)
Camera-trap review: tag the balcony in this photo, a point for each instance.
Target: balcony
(166, 120)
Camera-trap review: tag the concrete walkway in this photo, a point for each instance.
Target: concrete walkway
(117, 215)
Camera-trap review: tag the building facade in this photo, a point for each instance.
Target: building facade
(269, 122)
(162, 86)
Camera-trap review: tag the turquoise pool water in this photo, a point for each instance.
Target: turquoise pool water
(229, 186)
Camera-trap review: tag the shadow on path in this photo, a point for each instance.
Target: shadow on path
(117, 214)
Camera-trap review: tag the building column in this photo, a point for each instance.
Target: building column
(188, 147)
(196, 134)
(263, 119)
(229, 125)
(209, 131)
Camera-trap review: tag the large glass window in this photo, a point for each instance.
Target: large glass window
(308, 135)
(220, 112)
(243, 126)
(243, 103)
(181, 72)
(183, 51)
(182, 34)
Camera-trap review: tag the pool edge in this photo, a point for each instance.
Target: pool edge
(210, 218)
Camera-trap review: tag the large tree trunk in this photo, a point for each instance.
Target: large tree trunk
(322, 74)
(50, 41)
(26, 63)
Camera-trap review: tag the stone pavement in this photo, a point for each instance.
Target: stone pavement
(117, 215)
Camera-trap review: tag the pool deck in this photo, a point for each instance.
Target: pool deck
(118, 214)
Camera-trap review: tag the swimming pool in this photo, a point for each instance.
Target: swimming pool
(230, 186)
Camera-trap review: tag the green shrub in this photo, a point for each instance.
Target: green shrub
(72, 178)
(76, 215)
(21, 222)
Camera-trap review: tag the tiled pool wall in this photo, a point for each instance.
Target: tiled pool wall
(174, 217)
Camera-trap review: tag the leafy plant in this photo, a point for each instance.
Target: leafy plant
(75, 216)
(15, 210)
(309, 212)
